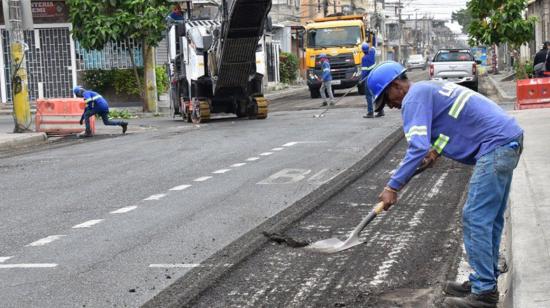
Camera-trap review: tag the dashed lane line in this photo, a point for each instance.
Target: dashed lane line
(202, 179)
(125, 209)
(155, 197)
(289, 144)
(88, 224)
(46, 240)
(221, 171)
(238, 165)
(277, 149)
(266, 154)
(4, 259)
(252, 158)
(181, 187)
(28, 265)
(176, 265)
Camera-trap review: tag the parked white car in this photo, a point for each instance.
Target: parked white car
(455, 65)
(416, 61)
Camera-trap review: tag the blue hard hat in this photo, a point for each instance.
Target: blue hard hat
(365, 47)
(322, 55)
(78, 90)
(380, 78)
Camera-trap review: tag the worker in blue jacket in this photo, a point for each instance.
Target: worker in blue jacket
(442, 118)
(326, 84)
(95, 105)
(368, 62)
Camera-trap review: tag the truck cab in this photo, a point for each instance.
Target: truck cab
(340, 38)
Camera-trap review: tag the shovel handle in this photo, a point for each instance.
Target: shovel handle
(377, 210)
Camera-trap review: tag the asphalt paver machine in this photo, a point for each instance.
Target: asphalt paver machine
(214, 51)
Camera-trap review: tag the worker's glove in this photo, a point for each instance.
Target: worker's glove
(388, 197)
(428, 161)
(81, 122)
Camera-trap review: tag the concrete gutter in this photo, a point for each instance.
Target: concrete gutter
(11, 141)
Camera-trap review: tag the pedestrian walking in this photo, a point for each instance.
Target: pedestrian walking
(541, 61)
(326, 84)
(368, 62)
(95, 105)
(442, 118)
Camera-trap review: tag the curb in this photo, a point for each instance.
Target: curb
(20, 140)
(501, 94)
(187, 288)
(287, 93)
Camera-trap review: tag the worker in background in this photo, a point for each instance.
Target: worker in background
(95, 105)
(367, 64)
(443, 118)
(541, 61)
(326, 84)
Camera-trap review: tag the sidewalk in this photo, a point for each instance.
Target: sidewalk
(528, 220)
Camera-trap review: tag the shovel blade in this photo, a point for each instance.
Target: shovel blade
(333, 245)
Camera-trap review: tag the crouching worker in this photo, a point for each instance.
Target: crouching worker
(96, 105)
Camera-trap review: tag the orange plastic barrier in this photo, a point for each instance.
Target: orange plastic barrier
(61, 116)
(533, 93)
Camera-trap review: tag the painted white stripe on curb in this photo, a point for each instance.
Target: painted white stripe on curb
(221, 171)
(28, 265)
(125, 209)
(88, 223)
(238, 165)
(277, 149)
(266, 153)
(202, 179)
(155, 197)
(290, 144)
(179, 265)
(252, 158)
(4, 259)
(181, 187)
(46, 240)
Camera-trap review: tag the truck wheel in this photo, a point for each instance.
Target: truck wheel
(361, 89)
(314, 93)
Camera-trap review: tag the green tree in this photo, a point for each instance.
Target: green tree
(464, 18)
(97, 22)
(499, 21)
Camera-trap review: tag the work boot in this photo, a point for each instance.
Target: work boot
(380, 114)
(323, 104)
(457, 289)
(369, 115)
(124, 127)
(484, 300)
(86, 135)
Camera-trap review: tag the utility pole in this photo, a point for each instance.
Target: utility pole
(17, 20)
(416, 30)
(399, 49)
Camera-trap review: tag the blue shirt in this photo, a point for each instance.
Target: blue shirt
(453, 120)
(95, 102)
(368, 62)
(325, 66)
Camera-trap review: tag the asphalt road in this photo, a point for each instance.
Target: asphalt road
(113, 220)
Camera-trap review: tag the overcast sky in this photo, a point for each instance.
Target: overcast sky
(440, 9)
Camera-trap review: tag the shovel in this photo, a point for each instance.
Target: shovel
(333, 245)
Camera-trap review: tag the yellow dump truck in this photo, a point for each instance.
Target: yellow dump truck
(340, 38)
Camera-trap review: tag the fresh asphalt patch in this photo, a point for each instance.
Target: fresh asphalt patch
(408, 251)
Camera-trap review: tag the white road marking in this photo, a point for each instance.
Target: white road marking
(46, 240)
(4, 259)
(290, 144)
(177, 265)
(252, 158)
(28, 265)
(221, 171)
(266, 153)
(277, 149)
(88, 223)
(286, 176)
(155, 197)
(125, 209)
(181, 187)
(238, 165)
(437, 186)
(202, 179)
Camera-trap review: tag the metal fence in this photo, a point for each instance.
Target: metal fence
(114, 55)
